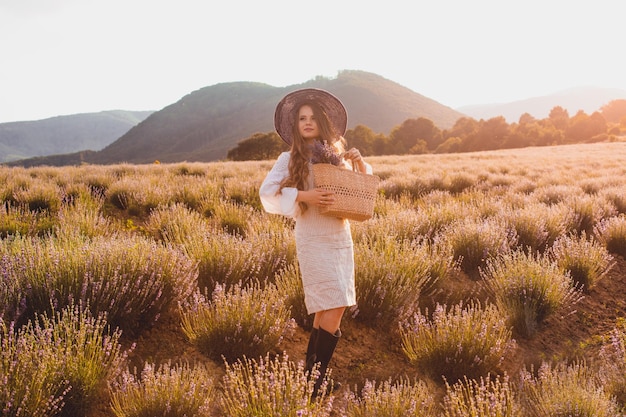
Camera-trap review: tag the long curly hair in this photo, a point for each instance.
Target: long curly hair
(301, 151)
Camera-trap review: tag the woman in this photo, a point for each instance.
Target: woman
(305, 119)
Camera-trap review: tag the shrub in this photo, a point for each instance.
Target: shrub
(460, 182)
(120, 195)
(190, 194)
(244, 193)
(233, 218)
(611, 233)
(488, 397)
(612, 364)
(19, 220)
(463, 341)
(390, 276)
(616, 196)
(176, 224)
(31, 373)
(528, 288)
(584, 259)
(289, 284)
(98, 183)
(15, 183)
(88, 356)
(246, 321)
(228, 260)
(530, 225)
(84, 218)
(557, 222)
(586, 212)
(186, 169)
(443, 212)
(168, 391)
(566, 390)
(403, 225)
(399, 399)
(474, 242)
(267, 387)
(556, 193)
(131, 279)
(406, 186)
(40, 197)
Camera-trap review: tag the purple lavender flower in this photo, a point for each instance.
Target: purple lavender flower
(323, 153)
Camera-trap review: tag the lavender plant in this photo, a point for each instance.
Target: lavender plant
(167, 390)
(530, 225)
(566, 390)
(390, 276)
(41, 196)
(586, 260)
(612, 364)
(616, 196)
(323, 153)
(84, 217)
(463, 341)
(227, 260)
(611, 232)
(528, 288)
(176, 223)
(87, 355)
(31, 374)
(490, 396)
(271, 387)
(392, 399)
(19, 220)
(474, 242)
(243, 321)
(131, 279)
(587, 211)
(289, 284)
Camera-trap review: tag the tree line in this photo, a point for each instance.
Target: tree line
(421, 136)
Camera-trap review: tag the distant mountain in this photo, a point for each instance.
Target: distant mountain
(588, 99)
(206, 123)
(65, 134)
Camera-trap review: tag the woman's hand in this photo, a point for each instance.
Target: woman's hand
(354, 156)
(316, 197)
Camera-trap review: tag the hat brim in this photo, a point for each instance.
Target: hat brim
(284, 117)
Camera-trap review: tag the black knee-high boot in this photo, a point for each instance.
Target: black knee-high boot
(310, 351)
(326, 343)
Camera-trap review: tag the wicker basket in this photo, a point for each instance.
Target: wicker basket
(355, 193)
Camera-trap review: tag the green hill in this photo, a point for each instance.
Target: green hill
(65, 134)
(205, 124)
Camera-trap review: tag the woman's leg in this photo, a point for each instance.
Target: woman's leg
(327, 323)
(329, 320)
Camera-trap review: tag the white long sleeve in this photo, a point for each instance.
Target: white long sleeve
(277, 200)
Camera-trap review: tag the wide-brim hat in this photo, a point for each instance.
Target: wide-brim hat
(284, 117)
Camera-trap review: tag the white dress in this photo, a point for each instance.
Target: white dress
(323, 244)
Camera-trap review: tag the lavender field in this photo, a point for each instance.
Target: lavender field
(488, 284)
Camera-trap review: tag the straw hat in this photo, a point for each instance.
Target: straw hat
(284, 117)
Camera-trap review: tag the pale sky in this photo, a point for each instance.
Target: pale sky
(62, 57)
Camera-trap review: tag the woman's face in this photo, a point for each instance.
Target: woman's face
(307, 125)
